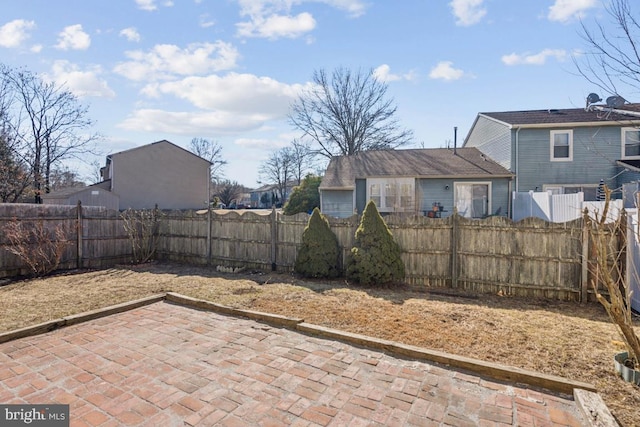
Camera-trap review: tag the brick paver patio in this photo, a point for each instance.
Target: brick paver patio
(168, 365)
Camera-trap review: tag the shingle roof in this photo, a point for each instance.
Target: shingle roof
(569, 115)
(342, 171)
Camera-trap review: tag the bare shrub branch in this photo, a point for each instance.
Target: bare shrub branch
(38, 246)
(607, 243)
(142, 228)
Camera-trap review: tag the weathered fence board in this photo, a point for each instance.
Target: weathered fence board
(529, 258)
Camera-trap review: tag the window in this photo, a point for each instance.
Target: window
(630, 143)
(561, 145)
(472, 199)
(392, 194)
(589, 190)
(374, 194)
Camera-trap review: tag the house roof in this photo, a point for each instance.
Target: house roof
(70, 191)
(164, 141)
(599, 114)
(342, 171)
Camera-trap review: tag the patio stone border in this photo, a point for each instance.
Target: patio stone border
(585, 395)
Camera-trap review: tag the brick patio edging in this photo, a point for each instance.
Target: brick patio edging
(585, 395)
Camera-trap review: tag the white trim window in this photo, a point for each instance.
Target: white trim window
(392, 194)
(561, 145)
(472, 198)
(630, 143)
(589, 190)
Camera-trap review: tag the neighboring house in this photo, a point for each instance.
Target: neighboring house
(93, 195)
(265, 196)
(161, 174)
(416, 181)
(563, 151)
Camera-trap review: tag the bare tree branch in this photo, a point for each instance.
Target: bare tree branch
(612, 58)
(48, 123)
(348, 113)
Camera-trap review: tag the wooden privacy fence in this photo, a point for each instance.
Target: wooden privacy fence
(96, 236)
(529, 258)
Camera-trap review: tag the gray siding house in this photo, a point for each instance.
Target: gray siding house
(419, 181)
(160, 173)
(563, 151)
(92, 195)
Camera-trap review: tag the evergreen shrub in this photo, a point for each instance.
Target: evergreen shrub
(319, 255)
(375, 258)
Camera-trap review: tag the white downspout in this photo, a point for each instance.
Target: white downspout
(517, 159)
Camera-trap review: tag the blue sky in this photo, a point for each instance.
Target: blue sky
(228, 70)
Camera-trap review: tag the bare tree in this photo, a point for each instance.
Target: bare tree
(211, 151)
(302, 159)
(49, 123)
(227, 192)
(278, 169)
(348, 113)
(612, 57)
(64, 178)
(14, 176)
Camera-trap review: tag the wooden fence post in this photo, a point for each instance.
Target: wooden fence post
(79, 235)
(274, 238)
(209, 240)
(454, 248)
(584, 285)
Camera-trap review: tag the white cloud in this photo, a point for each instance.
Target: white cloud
(79, 82)
(239, 94)
(73, 37)
(150, 5)
(273, 18)
(565, 10)
(467, 12)
(190, 123)
(165, 61)
(36, 48)
(534, 59)
(354, 7)
(233, 103)
(14, 33)
(444, 71)
(205, 21)
(131, 34)
(146, 4)
(383, 73)
(277, 26)
(263, 143)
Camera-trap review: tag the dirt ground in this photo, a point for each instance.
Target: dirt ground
(567, 339)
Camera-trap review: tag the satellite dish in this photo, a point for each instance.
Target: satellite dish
(615, 101)
(593, 98)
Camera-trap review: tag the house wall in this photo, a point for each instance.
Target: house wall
(337, 203)
(91, 196)
(161, 174)
(493, 139)
(595, 151)
(430, 191)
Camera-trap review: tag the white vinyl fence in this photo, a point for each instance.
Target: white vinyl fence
(633, 257)
(559, 207)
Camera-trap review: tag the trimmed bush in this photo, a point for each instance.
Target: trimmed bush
(320, 254)
(375, 257)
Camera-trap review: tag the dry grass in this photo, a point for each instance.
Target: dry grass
(567, 339)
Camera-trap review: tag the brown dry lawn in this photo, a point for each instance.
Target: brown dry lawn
(566, 339)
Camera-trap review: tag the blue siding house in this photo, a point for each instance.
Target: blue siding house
(420, 181)
(563, 151)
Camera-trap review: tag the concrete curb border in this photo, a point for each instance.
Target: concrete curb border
(73, 319)
(585, 395)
